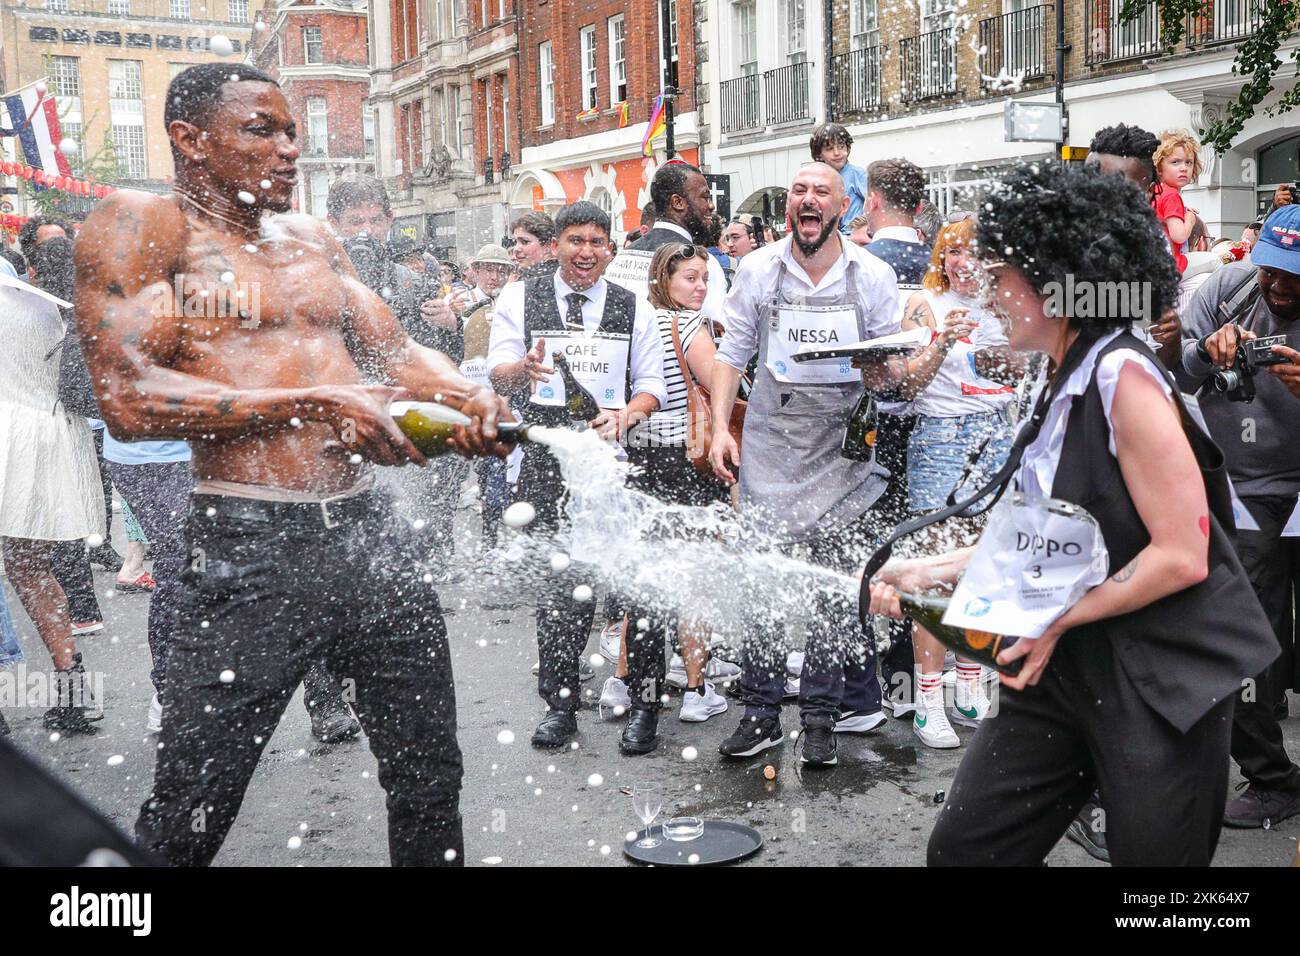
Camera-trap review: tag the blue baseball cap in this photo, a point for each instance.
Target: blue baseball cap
(1279, 241)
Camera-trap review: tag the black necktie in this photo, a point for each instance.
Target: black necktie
(574, 319)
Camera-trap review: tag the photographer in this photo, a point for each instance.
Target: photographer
(1261, 442)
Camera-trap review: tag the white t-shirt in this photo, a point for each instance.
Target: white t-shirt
(667, 426)
(957, 388)
(1037, 471)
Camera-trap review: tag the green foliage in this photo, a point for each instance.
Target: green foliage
(1257, 58)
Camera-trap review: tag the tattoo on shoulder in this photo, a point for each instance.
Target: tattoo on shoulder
(1126, 572)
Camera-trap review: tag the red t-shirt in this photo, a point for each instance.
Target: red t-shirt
(1168, 204)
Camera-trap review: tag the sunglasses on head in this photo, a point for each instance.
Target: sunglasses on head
(960, 216)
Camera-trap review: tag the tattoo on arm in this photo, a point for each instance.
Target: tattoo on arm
(1126, 572)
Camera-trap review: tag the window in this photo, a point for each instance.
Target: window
(180, 9)
(311, 45)
(487, 117)
(320, 190)
(65, 76)
(72, 131)
(546, 78)
(174, 68)
(438, 113)
(745, 23)
(796, 36)
(617, 61)
(864, 24)
(318, 140)
(128, 145)
(119, 8)
(56, 6)
(501, 9)
(238, 11)
(453, 119)
(939, 14)
(601, 197)
(368, 130)
(505, 113)
(588, 45)
(672, 28)
(125, 91)
(1278, 164)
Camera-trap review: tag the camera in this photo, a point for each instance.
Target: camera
(1238, 383)
(371, 260)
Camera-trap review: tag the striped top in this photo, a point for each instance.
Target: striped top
(667, 426)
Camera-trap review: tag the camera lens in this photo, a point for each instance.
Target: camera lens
(1227, 380)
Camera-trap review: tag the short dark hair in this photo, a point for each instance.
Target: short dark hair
(581, 213)
(648, 215)
(27, 234)
(669, 181)
(15, 259)
(1050, 221)
(537, 224)
(900, 182)
(1130, 142)
(350, 192)
(825, 135)
(193, 93)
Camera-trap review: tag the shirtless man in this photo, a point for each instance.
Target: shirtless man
(293, 555)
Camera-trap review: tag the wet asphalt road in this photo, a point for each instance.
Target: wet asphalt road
(527, 807)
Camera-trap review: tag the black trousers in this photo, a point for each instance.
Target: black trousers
(159, 496)
(70, 563)
(894, 433)
(667, 474)
(276, 591)
(839, 669)
(1033, 764)
(563, 624)
(1273, 564)
(106, 483)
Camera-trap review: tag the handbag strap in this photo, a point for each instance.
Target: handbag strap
(687, 376)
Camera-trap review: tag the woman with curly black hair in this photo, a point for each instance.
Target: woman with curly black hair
(1131, 687)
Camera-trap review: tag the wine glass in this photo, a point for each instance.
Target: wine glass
(647, 801)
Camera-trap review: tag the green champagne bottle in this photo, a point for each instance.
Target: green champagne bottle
(580, 403)
(928, 610)
(430, 424)
(860, 434)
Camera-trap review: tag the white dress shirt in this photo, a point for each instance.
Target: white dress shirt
(1037, 472)
(646, 354)
(754, 287)
(713, 309)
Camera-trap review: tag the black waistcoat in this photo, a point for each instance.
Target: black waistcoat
(542, 318)
(1189, 650)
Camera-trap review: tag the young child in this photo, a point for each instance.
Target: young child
(830, 144)
(1178, 163)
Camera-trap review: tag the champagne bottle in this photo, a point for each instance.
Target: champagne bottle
(860, 434)
(580, 403)
(430, 424)
(928, 610)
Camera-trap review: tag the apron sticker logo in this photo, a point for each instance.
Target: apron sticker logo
(978, 607)
(845, 367)
(546, 391)
(780, 367)
(609, 393)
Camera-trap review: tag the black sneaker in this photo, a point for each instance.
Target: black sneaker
(819, 747)
(332, 726)
(1088, 829)
(752, 737)
(1258, 807)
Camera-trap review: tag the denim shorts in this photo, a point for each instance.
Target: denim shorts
(11, 652)
(939, 450)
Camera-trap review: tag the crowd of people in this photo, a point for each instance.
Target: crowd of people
(241, 444)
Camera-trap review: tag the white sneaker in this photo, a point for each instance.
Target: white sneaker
(721, 671)
(970, 703)
(930, 722)
(676, 676)
(615, 694)
(791, 689)
(697, 708)
(154, 721)
(611, 641)
(898, 708)
(859, 722)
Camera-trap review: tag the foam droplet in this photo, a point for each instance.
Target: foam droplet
(221, 45)
(69, 147)
(265, 184)
(559, 562)
(227, 676)
(95, 540)
(689, 753)
(246, 197)
(506, 737)
(582, 593)
(227, 277)
(260, 26)
(295, 842)
(595, 780)
(693, 859)
(116, 759)
(519, 514)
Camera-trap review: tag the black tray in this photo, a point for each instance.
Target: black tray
(721, 842)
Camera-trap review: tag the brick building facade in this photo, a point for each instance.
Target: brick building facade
(318, 52)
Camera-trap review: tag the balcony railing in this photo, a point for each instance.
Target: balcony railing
(1107, 40)
(488, 171)
(927, 66)
(1017, 44)
(317, 146)
(1224, 21)
(741, 105)
(787, 93)
(505, 166)
(855, 82)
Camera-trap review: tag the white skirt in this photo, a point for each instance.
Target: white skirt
(49, 479)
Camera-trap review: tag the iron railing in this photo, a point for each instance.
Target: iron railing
(1224, 21)
(741, 104)
(786, 89)
(855, 83)
(1107, 40)
(927, 65)
(1017, 44)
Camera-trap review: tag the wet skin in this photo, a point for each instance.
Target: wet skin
(289, 393)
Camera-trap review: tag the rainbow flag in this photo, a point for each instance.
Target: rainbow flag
(658, 124)
(624, 115)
